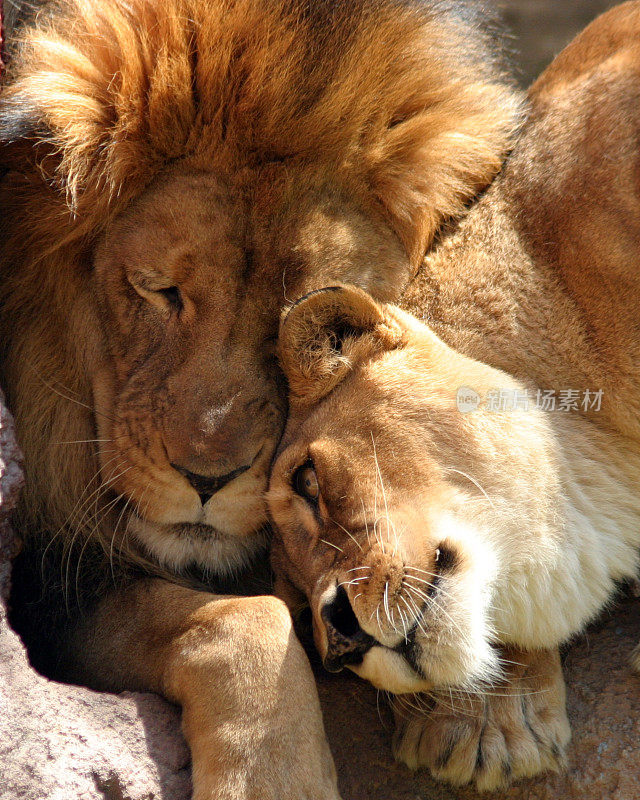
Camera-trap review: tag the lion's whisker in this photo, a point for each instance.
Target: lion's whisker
(66, 397)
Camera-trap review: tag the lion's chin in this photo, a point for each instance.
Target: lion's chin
(182, 545)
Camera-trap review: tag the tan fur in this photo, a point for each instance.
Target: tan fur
(465, 541)
(171, 172)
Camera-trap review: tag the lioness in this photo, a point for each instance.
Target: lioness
(172, 172)
(448, 525)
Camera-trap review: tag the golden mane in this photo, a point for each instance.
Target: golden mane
(402, 97)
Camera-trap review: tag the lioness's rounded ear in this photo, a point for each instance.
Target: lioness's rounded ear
(325, 332)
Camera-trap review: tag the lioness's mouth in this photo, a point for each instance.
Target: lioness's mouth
(348, 644)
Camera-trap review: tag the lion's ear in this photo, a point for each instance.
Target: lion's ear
(326, 332)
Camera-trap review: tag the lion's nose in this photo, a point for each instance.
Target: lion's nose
(206, 486)
(347, 642)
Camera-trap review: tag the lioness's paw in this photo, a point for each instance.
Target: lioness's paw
(516, 730)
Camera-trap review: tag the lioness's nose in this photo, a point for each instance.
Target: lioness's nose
(347, 642)
(206, 486)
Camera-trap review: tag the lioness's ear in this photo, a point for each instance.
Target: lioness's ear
(325, 332)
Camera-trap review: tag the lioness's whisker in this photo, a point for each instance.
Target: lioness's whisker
(366, 524)
(350, 535)
(441, 590)
(353, 582)
(379, 474)
(404, 623)
(474, 482)
(430, 601)
(424, 571)
(385, 600)
(417, 614)
(420, 580)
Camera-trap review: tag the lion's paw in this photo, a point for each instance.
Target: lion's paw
(517, 730)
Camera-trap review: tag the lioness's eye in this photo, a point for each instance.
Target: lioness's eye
(305, 482)
(173, 297)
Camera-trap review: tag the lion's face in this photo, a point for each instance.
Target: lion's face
(189, 404)
(399, 517)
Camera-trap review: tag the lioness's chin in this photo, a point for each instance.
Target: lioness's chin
(182, 545)
(388, 670)
(391, 671)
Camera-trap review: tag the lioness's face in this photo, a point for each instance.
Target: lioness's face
(190, 282)
(398, 516)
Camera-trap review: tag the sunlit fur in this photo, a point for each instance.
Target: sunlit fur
(454, 535)
(541, 282)
(526, 520)
(293, 143)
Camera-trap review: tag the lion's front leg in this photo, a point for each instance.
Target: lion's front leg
(251, 714)
(516, 729)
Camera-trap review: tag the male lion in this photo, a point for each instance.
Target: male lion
(449, 552)
(172, 172)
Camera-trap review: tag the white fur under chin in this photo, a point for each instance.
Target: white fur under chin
(234, 514)
(464, 653)
(458, 654)
(388, 670)
(221, 556)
